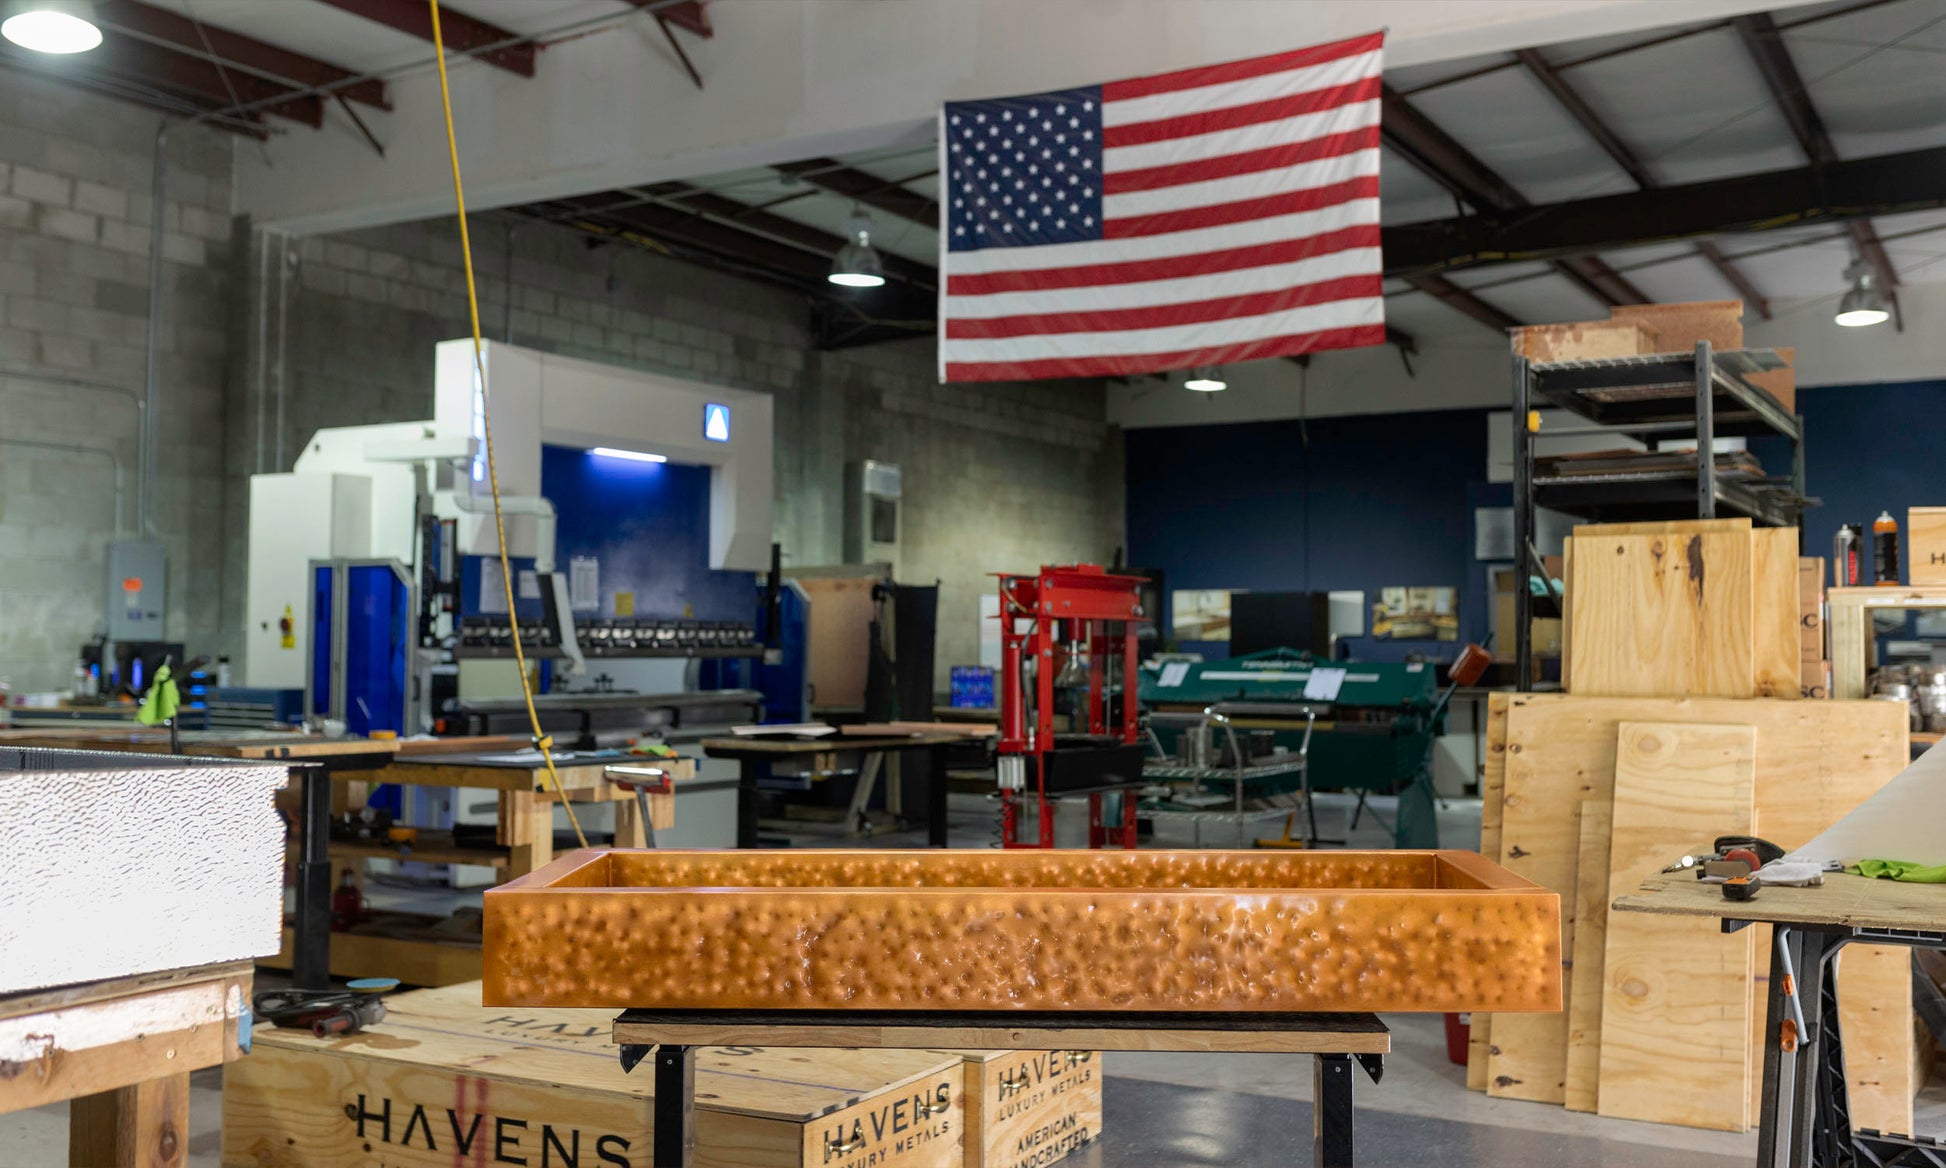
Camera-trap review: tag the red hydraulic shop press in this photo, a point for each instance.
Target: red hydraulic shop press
(1058, 632)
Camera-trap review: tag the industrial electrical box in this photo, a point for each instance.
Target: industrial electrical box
(135, 594)
(872, 499)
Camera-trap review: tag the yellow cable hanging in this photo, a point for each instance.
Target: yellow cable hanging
(541, 741)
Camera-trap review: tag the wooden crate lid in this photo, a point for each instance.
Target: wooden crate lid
(448, 1029)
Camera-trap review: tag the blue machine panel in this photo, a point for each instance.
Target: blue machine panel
(647, 523)
(377, 644)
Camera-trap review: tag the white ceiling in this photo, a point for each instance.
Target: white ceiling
(352, 42)
(1692, 109)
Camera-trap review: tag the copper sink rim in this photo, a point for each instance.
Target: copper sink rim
(1490, 878)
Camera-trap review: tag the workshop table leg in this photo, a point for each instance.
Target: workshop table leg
(526, 830)
(634, 824)
(936, 796)
(750, 771)
(675, 1106)
(143, 1126)
(1331, 1106)
(311, 931)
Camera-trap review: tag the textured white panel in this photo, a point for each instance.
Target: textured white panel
(108, 873)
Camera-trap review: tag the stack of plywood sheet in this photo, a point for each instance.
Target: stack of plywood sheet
(1663, 745)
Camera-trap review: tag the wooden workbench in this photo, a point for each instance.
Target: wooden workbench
(120, 1053)
(341, 769)
(524, 840)
(1805, 1102)
(754, 757)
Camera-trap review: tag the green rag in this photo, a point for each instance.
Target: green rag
(1903, 870)
(162, 701)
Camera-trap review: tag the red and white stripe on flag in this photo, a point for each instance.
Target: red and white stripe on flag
(1223, 213)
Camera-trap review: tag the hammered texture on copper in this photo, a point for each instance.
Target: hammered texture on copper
(1150, 931)
(1020, 869)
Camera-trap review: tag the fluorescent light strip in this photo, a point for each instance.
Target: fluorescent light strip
(628, 455)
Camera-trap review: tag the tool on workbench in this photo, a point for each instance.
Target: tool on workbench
(326, 1012)
(1742, 887)
(643, 781)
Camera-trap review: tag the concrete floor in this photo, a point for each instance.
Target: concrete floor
(1241, 1111)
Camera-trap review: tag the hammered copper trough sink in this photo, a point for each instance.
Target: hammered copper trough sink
(1269, 931)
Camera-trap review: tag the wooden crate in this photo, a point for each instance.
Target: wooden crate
(1585, 339)
(444, 1081)
(1030, 1108)
(1925, 534)
(1679, 326)
(1702, 608)
(1810, 608)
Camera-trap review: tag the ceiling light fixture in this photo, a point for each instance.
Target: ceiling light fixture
(857, 264)
(51, 26)
(1205, 380)
(628, 455)
(1862, 305)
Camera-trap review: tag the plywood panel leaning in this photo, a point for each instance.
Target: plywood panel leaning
(1774, 627)
(1675, 1045)
(1582, 1091)
(1493, 772)
(1816, 761)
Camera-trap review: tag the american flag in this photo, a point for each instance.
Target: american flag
(1217, 214)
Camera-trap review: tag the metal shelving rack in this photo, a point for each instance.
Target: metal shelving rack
(1656, 397)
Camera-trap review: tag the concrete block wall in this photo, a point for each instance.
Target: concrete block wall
(997, 477)
(75, 192)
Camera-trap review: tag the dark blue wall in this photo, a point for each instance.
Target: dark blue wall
(1385, 499)
(1368, 502)
(1867, 449)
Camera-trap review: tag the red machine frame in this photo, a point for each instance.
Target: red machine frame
(1084, 598)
